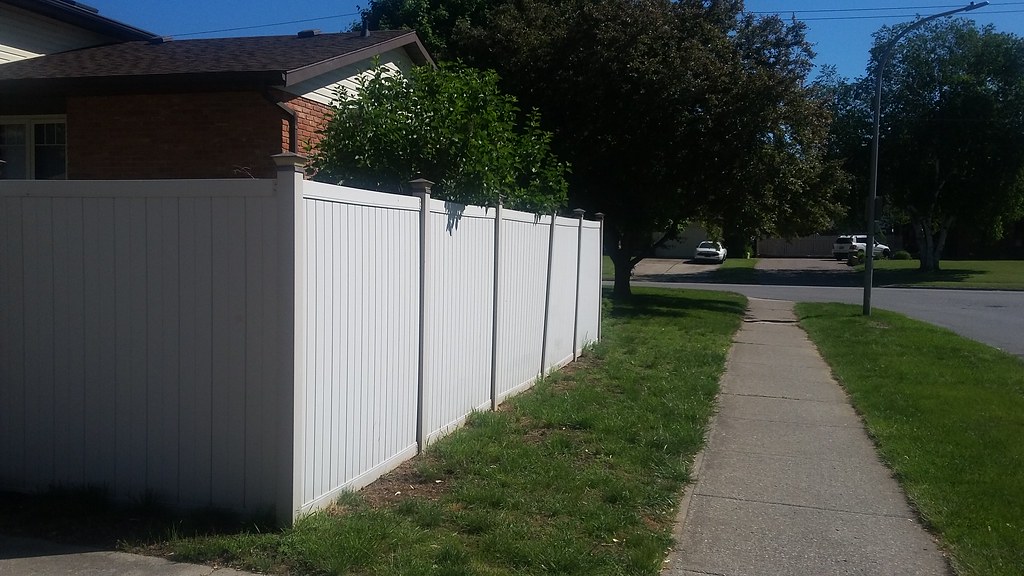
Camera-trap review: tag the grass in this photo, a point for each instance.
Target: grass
(736, 271)
(948, 417)
(607, 268)
(978, 274)
(580, 475)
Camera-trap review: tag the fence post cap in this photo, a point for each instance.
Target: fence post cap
(421, 185)
(579, 212)
(599, 215)
(290, 160)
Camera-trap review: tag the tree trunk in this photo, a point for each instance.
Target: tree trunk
(923, 230)
(623, 270)
(931, 246)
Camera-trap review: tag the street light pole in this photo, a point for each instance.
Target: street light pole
(869, 248)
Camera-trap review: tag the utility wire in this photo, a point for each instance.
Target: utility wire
(303, 21)
(888, 16)
(813, 18)
(934, 7)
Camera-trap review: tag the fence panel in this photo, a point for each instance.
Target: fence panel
(562, 303)
(133, 343)
(524, 270)
(459, 315)
(588, 312)
(362, 282)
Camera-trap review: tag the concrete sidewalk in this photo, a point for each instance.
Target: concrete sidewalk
(24, 557)
(789, 482)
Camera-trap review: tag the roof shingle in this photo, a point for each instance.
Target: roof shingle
(275, 60)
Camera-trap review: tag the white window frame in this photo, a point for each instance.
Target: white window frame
(30, 137)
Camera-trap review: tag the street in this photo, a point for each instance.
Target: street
(993, 317)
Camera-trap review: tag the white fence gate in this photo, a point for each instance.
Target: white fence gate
(260, 345)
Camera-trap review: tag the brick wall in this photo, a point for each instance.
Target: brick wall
(189, 135)
(311, 116)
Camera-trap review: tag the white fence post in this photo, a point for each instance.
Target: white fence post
(578, 213)
(497, 305)
(421, 188)
(292, 277)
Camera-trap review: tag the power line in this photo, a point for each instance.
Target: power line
(303, 21)
(813, 11)
(933, 7)
(888, 16)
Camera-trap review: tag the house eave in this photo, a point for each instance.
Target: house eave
(409, 42)
(198, 82)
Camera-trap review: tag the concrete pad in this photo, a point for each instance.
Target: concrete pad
(798, 382)
(825, 443)
(839, 485)
(788, 410)
(792, 355)
(773, 333)
(739, 538)
(770, 310)
(22, 556)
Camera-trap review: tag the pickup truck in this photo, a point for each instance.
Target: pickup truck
(846, 245)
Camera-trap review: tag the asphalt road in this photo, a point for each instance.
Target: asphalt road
(993, 317)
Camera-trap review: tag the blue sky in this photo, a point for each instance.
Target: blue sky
(840, 30)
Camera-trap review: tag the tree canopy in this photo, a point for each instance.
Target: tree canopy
(453, 126)
(668, 111)
(952, 131)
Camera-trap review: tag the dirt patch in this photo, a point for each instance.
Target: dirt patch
(403, 482)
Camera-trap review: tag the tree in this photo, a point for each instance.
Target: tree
(452, 126)
(952, 131)
(667, 111)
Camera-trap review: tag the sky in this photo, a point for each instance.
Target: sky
(840, 30)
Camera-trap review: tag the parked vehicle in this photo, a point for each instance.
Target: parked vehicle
(708, 251)
(844, 246)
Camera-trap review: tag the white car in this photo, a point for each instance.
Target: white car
(708, 251)
(844, 246)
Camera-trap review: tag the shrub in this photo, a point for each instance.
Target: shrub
(901, 255)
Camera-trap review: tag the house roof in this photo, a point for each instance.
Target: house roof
(257, 61)
(82, 16)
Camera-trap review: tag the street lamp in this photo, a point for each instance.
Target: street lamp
(869, 249)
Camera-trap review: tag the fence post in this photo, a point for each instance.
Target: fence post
(600, 271)
(421, 187)
(578, 213)
(292, 333)
(547, 294)
(495, 319)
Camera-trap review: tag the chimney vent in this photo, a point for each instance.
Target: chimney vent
(309, 33)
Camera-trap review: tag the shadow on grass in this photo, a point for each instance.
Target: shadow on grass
(913, 276)
(839, 274)
(87, 517)
(646, 302)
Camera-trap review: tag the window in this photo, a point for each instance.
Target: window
(33, 148)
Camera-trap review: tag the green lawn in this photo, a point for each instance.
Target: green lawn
(985, 274)
(736, 271)
(581, 475)
(948, 417)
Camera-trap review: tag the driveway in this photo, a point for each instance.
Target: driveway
(991, 316)
(806, 272)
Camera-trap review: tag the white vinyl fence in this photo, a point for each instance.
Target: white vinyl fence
(264, 345)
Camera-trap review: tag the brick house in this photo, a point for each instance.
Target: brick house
(161, 108)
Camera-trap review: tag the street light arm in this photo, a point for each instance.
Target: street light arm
(869, 249)
(891, 46)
